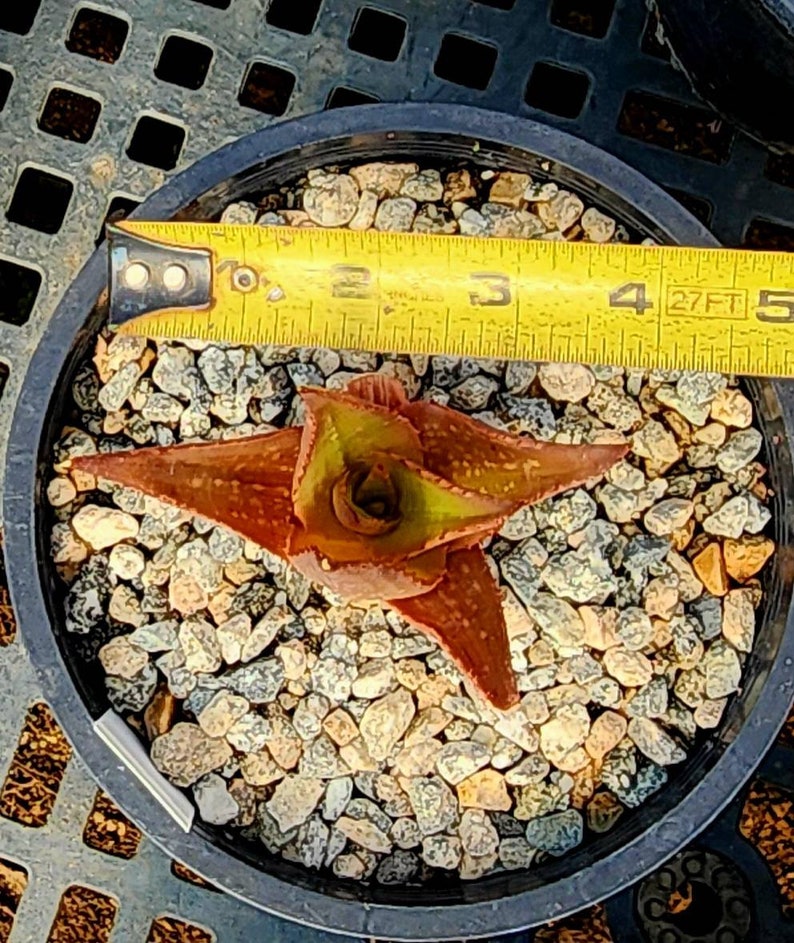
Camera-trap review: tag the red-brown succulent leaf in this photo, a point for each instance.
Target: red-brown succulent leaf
(475, 456)
(379, 389)
(375, 581)
(464, 614)
(244, 484)
(348, 429)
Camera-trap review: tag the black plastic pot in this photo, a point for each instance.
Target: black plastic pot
(642, 839)
(739, 57)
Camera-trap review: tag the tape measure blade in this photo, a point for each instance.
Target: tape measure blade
(646, 306)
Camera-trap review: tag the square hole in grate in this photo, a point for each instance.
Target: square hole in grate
(156, 142)
(83, 914)
(779, 168)
(698, 206)
(766, 821)
(18, 17)
(267, 87)
(184, 62)
(378, 34)
(465, 61)
(19, 286)
(342, 97)
(40, 200)
(587, 17)
(36, 770)
(8, 622)
(119, 207)
(13, 882)
(185, 874)
(686, 129)
(171, 930)
(108, 830)
(69, 114)
(557, 89)
(6, 81)
(296, 16)
(97, 35)
(766, 235)
(652, 44)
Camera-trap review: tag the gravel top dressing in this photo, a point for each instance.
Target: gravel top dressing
(336, 734)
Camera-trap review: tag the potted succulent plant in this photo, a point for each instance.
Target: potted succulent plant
(597, 648)
(377, 498)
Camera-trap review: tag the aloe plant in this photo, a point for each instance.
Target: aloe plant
(379, 498)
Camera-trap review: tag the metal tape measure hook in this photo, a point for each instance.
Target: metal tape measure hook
(148, 276)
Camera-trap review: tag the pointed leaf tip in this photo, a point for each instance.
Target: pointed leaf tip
(476, 456)
(379, 389)
(243, 484)
(463, 613)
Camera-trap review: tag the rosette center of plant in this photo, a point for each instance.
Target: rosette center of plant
(366, 499)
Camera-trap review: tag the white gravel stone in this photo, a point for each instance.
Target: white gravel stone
(477, 835)
(375, 678)
(249, 733)
(654, 743)
(294, 799)
(120, 657)
(556, 833)
(433, 802)
(395, 215)
(240, 214)
(126, 561)
(558, 620)
(425, 185)
(564, 732)
(722, 668)
(739, 514)
(385, 721)
(739, 450)
(186, 753)
(567, 382)
(337, 795)
(364, 833)
(199, 642)
(102, 527)
(738, 619)
(631, 669)
(516, 853)
(458, 760)
(441, 851)
(232, 635)
(221, 713)
(331, 200)
(668, 516)
(215, 804)
(598, 227)
(634, 628)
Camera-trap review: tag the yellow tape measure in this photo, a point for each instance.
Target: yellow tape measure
(721, 310)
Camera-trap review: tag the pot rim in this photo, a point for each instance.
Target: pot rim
(600, 878)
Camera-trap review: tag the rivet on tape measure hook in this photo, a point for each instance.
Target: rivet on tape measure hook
(722, 310)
